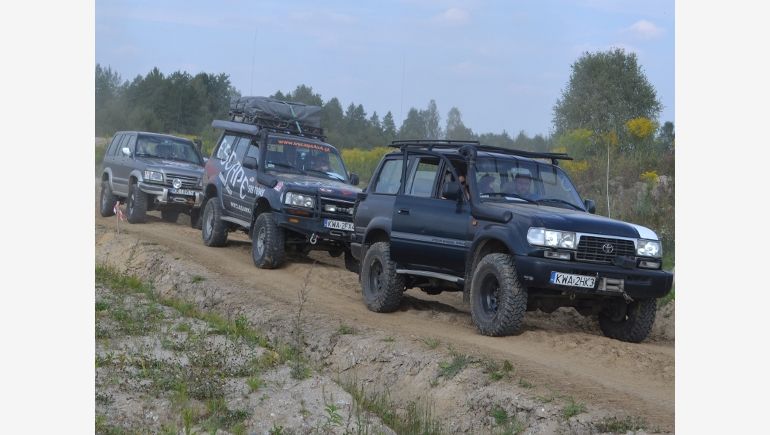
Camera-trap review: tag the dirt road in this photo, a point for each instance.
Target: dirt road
(563, 350)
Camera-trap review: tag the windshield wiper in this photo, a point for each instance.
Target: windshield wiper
(328, 174)
(508, 195)
(285, 166)
(560, 201)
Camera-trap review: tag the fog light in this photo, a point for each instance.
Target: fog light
(649, 264)
(557, 255)
(331, 208)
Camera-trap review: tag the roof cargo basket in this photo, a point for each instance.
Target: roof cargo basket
(468, 145)
(283, 116)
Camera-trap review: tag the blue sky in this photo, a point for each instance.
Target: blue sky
(502, 63)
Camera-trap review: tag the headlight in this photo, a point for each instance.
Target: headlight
(299, 200)
(648, 248)
(551, 238)
(153, 176)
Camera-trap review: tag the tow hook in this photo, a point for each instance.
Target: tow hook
(313, 239)
(626, 297)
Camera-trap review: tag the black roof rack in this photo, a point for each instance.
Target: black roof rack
(458, 144)
(278, 125)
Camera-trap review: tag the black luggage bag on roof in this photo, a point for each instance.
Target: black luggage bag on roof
(275, 110)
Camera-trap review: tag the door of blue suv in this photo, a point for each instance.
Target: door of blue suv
(430, 231)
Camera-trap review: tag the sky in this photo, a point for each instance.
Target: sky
(504, 64)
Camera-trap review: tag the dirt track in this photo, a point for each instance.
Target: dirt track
(563, 350)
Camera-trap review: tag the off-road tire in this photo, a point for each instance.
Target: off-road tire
(107, 200)
(214, 229)
(336, 252)
(169, 215)
(136, 205)
(498, 300)
(268, 242)
(381, 286)
(195, 218)
(635, 326)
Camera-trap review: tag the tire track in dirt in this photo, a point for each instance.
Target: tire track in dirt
(576, 361)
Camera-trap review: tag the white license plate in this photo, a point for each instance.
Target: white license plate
(570, 280)
(338, 225)
(187, 192)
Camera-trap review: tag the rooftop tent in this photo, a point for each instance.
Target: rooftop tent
(276, 110)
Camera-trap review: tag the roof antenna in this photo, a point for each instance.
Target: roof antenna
(403, 78)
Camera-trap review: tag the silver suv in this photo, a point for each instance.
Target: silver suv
(150, 171)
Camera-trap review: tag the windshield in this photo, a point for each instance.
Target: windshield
(304, 157)
(168, 148)
(508, 179)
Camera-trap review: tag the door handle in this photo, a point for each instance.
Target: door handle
(403, 211)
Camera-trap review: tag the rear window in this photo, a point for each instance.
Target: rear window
(389, 180)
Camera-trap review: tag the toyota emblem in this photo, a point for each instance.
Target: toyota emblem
(608, 248)
(178, 183)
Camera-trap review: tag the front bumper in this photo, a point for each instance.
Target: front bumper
(312, 226)
(164, 197)
(535, 272)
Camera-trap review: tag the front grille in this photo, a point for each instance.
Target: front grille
(188, 182)
(343, 209)
(594, 249)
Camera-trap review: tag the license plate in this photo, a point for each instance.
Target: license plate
(570, 280)
(338, 225)
(187, 192)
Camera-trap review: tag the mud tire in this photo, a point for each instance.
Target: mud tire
(107, 200)
(195, 218)
(268, 243)
(136, 205)
(498, 300)
(214, 230)
(381, 286)
(635, 325)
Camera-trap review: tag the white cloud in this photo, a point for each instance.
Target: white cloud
(645, 30)
(453, 16)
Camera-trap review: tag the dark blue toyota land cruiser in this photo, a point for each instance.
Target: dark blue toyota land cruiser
(272, 176)
(507, 228)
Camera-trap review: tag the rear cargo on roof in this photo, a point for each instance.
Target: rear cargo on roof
(275, 110)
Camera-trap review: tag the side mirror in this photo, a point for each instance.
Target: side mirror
(451, 190)
(354, 179)
(250, 163)
(126, 151)
(590, 205)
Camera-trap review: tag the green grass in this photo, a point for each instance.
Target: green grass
(254, 383)
(450, 369)
(617, 425)
(498, 371)
(667, 299)
(389, 339)
(525, 384)
(197, 279)
(573, 408)
(414, 418)
(345, 330)
(432, 343)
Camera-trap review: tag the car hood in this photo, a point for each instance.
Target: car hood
(558, 218)
(323, 186)
(163, 165)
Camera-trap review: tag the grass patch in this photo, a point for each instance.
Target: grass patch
(431, 342)
(573, 408)
(102, 306)
(197, 278)
(525, 384)
(617, 425)
(450, 369)
(414, 418)
(508, 423)
(254, 383)
(345, 330)
(183, 327)
(389, 339)
(498, 371)
(667, 299)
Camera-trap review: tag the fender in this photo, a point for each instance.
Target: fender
(108, 173)
(378, 223)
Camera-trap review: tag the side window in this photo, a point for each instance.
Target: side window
(114, 145)
(226, 147)
(132, 142)
(253, 151)
(123, 143)
(241, 147)
(423, 178)
(389, 179)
